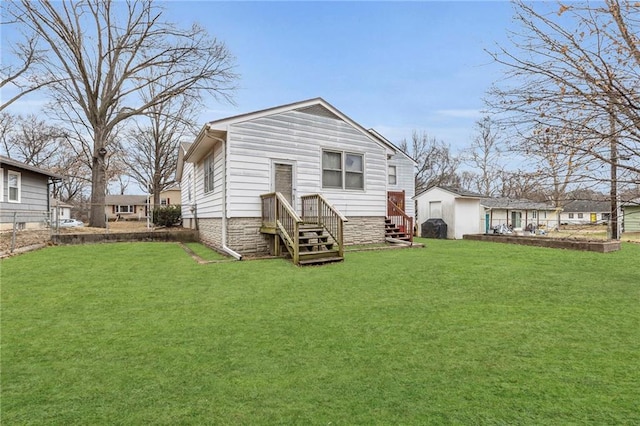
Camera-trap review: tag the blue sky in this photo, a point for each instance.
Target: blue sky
(393, 66)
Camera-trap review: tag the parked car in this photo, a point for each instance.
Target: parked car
(70, 223)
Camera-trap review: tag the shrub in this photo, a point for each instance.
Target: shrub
(167, 216)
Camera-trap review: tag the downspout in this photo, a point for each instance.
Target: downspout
(225, 248)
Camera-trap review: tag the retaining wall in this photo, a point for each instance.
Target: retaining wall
(184, 236)
(540, 241)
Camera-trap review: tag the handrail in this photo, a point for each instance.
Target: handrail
(317, 210)
(277, 213)
(399, 218)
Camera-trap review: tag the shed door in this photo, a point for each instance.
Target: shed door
(435, 210)
(283, 180)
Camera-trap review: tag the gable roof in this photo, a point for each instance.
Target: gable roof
(216, 130)
(457, 192)
(515, 204)
(391, 144)
(586, 206)
(20, 165)
(125, 200)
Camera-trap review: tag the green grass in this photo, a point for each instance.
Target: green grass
(460, 332)
(204, 252)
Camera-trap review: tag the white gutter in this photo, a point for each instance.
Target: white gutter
(225, 248)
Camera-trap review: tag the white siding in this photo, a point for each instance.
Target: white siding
(209, 205)
(468, 212)
(299, 138)
(462, 215)
(405, 181)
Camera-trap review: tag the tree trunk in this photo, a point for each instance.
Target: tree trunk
(98, 182)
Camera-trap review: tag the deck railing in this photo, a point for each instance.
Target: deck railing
(278, 214)
(400, 219)
(317, 210)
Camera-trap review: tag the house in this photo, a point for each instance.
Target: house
(126, 207)
(631, 216)
(584, 212)
(170, 196)
(519, 214)
(458, 208)
(301, 177)
(24, 194)
(59, 210)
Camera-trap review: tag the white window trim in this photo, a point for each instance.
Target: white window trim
(129, 208)
(395, 174)
(9, 173)
(344, 171)
(208, 175)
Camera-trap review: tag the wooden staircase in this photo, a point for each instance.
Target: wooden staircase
(398, 225)
(315, 238)
(391, 230)
(316, 246)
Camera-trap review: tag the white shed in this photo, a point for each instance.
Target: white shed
(460, 209)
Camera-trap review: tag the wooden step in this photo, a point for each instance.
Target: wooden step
(320, 261)
(317, 254)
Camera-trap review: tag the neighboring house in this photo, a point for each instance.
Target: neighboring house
(519, 214)
(126, 207)
(59, 210)
(583, 212)
(24, 194)
(458, 208)
(631, 216)
(170, 196)
(334, 176)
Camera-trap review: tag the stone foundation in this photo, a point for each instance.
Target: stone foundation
(210, 231)
(364, 230)
(243, 236)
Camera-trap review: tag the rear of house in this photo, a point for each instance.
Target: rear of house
(24, 195)
(519, 214)
(298, 150)
(585, 212)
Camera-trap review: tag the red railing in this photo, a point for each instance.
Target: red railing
(400, 219)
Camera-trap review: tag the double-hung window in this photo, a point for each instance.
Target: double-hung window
(208, 173)
(392, 175)
(13, 185)
(342, 170)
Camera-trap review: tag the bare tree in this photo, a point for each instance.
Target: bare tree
(151, 147)
(32, 140)
(576, 69)
(108, 52)
(436, 164)
(18, 67)
(484, 156)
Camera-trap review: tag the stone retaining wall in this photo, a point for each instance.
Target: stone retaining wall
(181, 236)
(584, 245)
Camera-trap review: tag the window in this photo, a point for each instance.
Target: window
(208, 173)
(13, 184)
(392, 175)
(189, 187)
(534, 214)
(570, 215)
(342, 170)
(331, 169)
(125, 209)
(163, 202)
(579, 215)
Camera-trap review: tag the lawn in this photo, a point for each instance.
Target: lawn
(460, 332)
